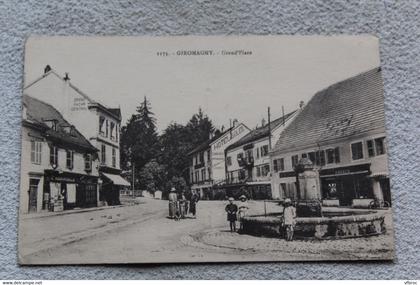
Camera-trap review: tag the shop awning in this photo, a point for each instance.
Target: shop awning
(258, 183)
(116, 179)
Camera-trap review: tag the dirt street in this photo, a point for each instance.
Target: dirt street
(143, 233)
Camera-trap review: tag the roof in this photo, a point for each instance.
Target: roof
(260, 132)
(115, 112)
(38, 113)
(207, 143)
(348, 108)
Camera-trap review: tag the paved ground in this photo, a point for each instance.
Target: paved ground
(143, 233)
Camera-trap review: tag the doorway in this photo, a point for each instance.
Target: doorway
(33, 195)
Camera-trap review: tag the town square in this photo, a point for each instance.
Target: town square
(100, 184)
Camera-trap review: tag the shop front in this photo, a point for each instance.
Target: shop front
(347, 184)
(66, 190)
(111, 186)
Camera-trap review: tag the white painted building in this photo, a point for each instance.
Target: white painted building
(100, 124)
(342, 131)
(208, 160)
(59, 167)
(248, 167)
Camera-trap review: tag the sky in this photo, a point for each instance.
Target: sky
(279, 71)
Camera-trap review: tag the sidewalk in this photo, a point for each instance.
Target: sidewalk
(48, 231)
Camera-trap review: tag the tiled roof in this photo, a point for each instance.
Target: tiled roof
(260, 132)
(39, 113)
(347, 108)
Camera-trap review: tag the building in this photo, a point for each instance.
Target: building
(58, 165)
(248, 165)
(100, 124)
(342, 132)
(207, 167)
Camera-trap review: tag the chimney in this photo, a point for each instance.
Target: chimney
(263, 122)
(47, 69)
(66, 77)
(301, 104)
(234, 123)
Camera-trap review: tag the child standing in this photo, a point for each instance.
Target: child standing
(232, 211)
(289, 219)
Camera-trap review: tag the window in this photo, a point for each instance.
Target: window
(264, 150)
(208, 155)
(258, 171)
(103, 154)
(112, 131)
(114, 157)
(265, 169)
(320, 157)
(375, 147)
(88, 162)
(196, 176)
(54, 156)
(240, 155)
(337, 155)
(106, 128)
(229, 161)
(209, 171)
(117, 130)
(101, 125)
(201, 157)
(203, 174)
(370, 148)
(356, 150)
(36, 152)
(330, 155)
(258, 153)
(278, 164)
(311, 156)
(69, 159)
(304, 155)
(379, 146)
(295, 160)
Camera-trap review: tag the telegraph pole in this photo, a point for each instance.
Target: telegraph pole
(133, 169)
(269, 128)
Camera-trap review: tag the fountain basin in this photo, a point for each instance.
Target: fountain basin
(348, 223)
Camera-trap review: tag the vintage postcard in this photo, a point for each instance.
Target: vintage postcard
(203, 149)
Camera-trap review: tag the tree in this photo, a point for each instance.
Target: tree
(139, 138)
(153, 176)
(199, 128)
(175, 143)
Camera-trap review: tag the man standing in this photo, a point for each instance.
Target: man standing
(193, 203)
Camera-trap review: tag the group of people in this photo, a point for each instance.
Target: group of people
(180, 207)
(238, 212)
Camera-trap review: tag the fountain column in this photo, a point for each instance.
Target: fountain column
(310, 191)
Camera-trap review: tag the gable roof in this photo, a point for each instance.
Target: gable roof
(347, 108)
(207, 143)
(39, 112)
(260, 132)
(114, 112)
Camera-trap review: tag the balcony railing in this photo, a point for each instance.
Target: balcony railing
(246, 161)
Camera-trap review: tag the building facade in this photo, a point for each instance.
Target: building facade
(342, 132)
(59, 167)
(100, 124)
(207, 167)
(248, 165)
